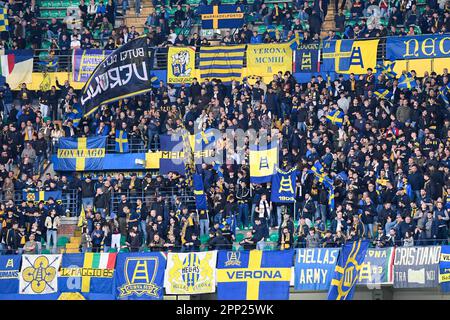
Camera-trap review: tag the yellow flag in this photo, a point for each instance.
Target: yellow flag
(82, 217)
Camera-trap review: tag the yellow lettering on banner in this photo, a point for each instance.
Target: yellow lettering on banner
(431, 46)
(265, 59)
(80, 162)
(441, 46)
(415, 44)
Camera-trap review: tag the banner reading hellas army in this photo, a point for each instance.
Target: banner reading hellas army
(265, 60)
(180, 65)
(191, 273)
(124, 73)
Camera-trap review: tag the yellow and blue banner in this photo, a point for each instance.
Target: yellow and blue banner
(336, 117)
(254, 275)
(221, 16)
(9, 275)
(265, 60)
(306, 58)
(349, 56)
(347, 270)
(407, 81)
(383, 94)
(38, 196)
(91, 274)
(225, 63)
(263, 161)
(80, 154)
(191, 273)
(283, 186)
(171, 154)
(181, 65)
(4, 22)
(418, 47)
(85, 61)
(122, 145)
(140, 276)
(199, 192)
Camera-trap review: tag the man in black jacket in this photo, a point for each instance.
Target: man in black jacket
(87, 192)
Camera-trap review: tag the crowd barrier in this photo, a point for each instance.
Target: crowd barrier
(329, 57)
(241, 275)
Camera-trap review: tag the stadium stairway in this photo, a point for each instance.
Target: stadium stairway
(131, 19)
(329, 24)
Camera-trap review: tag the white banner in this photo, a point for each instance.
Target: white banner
(39, 274)
(191, 273)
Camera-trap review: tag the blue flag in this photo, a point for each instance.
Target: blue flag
(122, 144)
(80, 154)
(9, 273)
(346, 273)
(41, 196)
(283, 186)
(407, 81)
(336, 117)
(172, 155)
(254, 275)
(443, 91)
(140, 276)
(383, 94)
(223, 16)
(200, 197)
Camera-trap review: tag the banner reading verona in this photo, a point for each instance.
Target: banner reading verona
(140, 275)
(417, 47)
(377, 268)
(254, 275)
(80, 154)
(84, 63)
(314, 268)
(124, 73)
(444, 269)
(191, 273)
(416, 267)
(180, 64)
(349, 56)
(265, 60)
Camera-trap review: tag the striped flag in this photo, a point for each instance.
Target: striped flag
(99, 271)
(6, 64)
(225, 63)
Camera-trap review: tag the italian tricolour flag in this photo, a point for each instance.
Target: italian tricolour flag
(96, 261)
(6, 64)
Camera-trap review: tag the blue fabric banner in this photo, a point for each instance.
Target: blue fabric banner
(140, 276)
(418, 47)
(307, 60)
(283, 186)
(444, 269)
(172, 155)
(314, 268)
(85, 61)
(9, 275)
(223, 16)
(80, 154)
(254, 275)
(346, 272)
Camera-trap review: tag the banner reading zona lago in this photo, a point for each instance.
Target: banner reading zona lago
(124, 73)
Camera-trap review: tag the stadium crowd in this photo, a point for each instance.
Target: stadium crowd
(395, 152)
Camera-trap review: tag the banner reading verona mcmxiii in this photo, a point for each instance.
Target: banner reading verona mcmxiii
(124, 73)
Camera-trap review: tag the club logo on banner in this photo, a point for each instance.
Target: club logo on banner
(190, 273)
(265, 60)
(346, 272)
(377, 268)
(283, 186)
(9, 274)
(140, 275)
(254, 275)
(39, 274)
(80, 154)
(263, 161)
(349, 56)
(314, 268)
(181, 65)
(417, 47)
(124, 73)
(416, 267)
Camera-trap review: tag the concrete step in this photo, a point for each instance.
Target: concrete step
(75, 240)
(71, 245)
(72, 250)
